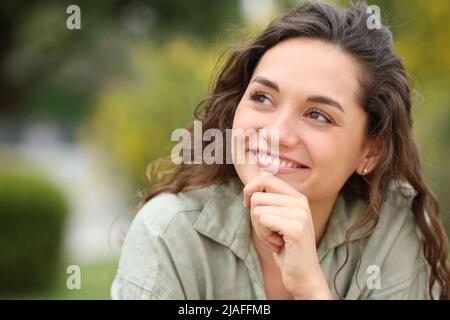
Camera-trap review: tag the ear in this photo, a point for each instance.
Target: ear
(370, 156)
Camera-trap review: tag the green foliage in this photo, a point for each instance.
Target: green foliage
(36, 46)
(420, 31)
(202, 18)
(134, 117)
(32, 215)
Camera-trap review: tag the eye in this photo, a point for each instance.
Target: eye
(319, 115)
(261, 98)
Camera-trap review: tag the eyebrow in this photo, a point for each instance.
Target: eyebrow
(326, 100)
(314, 98)
(266, 82)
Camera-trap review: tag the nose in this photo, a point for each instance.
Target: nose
(286, 127)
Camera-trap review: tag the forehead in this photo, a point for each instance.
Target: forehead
(306, 66)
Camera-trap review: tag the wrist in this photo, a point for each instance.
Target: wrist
(315, 294)
(314, 290)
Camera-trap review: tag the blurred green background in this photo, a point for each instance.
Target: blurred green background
(84, 111)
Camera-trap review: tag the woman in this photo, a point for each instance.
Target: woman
(340, 211)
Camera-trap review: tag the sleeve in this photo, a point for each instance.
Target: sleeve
(146, 270)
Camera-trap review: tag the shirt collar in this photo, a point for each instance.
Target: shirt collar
(225, 219)
(343, 216)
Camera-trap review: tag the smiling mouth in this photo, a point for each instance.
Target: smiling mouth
(271, 160)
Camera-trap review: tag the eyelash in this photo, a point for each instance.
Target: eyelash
(322, 113)
(258, 94)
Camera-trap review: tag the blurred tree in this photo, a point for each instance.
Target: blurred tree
(38, 52)
(420, 31)
(135, 116)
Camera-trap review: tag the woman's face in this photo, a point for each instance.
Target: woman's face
(307, 91)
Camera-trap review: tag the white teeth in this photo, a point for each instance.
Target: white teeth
(266, 159)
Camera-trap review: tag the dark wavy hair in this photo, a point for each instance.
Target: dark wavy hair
(385, 94)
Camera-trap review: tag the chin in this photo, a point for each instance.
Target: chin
(247, 173)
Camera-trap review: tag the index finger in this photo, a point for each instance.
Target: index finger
(268, 183)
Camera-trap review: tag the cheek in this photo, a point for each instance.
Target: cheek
(239, 117)
(333, 161)
(246, 117)
(333, 156)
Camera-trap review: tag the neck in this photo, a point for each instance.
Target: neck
(320, 212)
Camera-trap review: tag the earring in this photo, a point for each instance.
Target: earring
(364, 170)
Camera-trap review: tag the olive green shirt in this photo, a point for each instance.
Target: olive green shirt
(197, 245)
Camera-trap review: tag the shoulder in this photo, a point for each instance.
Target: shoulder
(163, 216)
(167, 209)
(397, 245)
(396, 216)
(397, 223)
(213, 211)
(162, 238)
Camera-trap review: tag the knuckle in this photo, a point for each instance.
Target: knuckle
(303, 199)
(257, 212)
(300, 201)
(263, 219)
(296, 233)
(302, 215)
(298, 214)
(255, 197)
(265, 179)
(298, 228)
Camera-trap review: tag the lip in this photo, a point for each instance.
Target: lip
(280, 156)
(276, 169)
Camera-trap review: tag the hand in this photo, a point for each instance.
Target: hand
(282, 220)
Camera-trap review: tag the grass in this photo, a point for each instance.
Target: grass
(96, 279)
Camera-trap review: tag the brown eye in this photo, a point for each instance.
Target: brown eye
(260, 98)
(319, 115)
